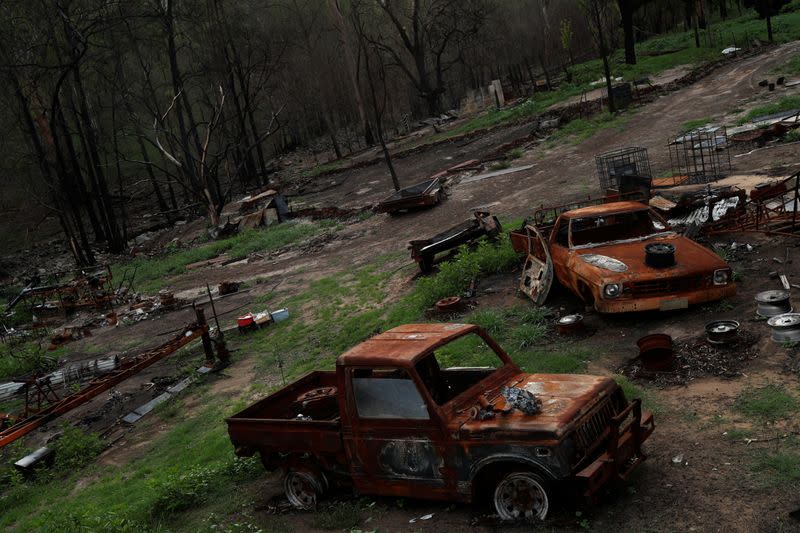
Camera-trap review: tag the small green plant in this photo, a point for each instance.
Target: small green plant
(516, 153)
(780, 468)
(75, 449)
(169, 409)
(500, 165)
(770, 403)
(792, 136)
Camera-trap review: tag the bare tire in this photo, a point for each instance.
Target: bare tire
(521, 496)
(303, 489)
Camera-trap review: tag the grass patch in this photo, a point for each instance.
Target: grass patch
(323, 168)
(516, 153)
(578, 130)
(152, 273)
(694, 124)
(769, 403)
(500, 165)
(633, 391)
(790, 68)
(779, 468)
(785, 103)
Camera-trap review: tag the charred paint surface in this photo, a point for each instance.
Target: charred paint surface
(585, 433)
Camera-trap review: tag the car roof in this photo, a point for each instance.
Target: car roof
(403, 345)
(605, 209)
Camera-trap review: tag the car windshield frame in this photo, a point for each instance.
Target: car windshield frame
(654, 218)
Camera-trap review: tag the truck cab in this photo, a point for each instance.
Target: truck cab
(399, 418)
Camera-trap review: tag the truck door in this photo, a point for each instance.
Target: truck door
(398, 445)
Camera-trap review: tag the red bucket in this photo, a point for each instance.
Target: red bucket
(245, 321)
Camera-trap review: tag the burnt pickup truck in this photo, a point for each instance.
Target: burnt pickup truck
(618, 257)
(395, 419)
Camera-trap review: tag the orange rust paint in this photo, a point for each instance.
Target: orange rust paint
(586, 435)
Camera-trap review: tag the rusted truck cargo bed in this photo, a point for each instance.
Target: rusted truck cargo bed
(301, 417)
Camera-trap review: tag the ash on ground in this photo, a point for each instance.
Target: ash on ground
(699, 358)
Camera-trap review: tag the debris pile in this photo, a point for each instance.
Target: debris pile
(698, 358)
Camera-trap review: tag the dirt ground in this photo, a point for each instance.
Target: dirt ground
(714, 488)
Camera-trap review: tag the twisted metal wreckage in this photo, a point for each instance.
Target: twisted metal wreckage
(42, 403)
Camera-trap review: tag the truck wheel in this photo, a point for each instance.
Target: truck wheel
(302, 489)
(521, 495)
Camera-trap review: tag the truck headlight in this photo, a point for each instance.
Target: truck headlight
(612, 290)
(722, 276)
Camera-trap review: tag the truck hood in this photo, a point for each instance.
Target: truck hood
(565, 398)
(690, 258)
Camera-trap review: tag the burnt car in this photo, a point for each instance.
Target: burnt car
(619, 257)
(396, 418)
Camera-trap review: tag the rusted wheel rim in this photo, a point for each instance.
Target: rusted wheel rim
(302, 489)
(521, 496)
(451, 303)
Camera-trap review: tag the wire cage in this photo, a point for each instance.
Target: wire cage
(631, 161)
(701, 155)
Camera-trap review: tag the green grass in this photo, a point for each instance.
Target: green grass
(694, 124)
(578, 130)
(516, 153)
(768, 403)
(682, 51)
(499, 165)
(780, 468)
(322, 168)
(153, 274)
(790, 68)
(785, 103)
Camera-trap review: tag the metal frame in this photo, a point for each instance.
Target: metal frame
(632, 161)
(702, 154)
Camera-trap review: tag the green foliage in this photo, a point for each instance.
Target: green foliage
(499, 165)
(75, 449)
(632, 391)
(770, 403)
(792, 136)
(18, 358)
(153, 274)
(790, 68)
(694, 124)
(578, 130)
(183, 490)
(780, 468)
(516, 153)
(785, 103)
(323, 168)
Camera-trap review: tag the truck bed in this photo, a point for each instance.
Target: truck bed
(301, 417)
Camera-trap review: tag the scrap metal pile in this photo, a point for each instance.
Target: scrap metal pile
(770, 208)
(43, 403)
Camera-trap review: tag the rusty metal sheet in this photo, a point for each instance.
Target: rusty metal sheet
(537, 275)
(403, 344)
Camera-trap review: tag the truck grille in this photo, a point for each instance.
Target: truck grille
(593, 426)
(654, 287)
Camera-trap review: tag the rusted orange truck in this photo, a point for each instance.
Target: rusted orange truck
(618, 257)
(396, 419)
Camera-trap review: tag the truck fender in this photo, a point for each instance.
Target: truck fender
(478, 470)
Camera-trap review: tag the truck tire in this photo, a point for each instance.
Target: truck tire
(303, 489)
(522, 496)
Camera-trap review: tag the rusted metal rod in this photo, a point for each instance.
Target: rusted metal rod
(128, 367)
